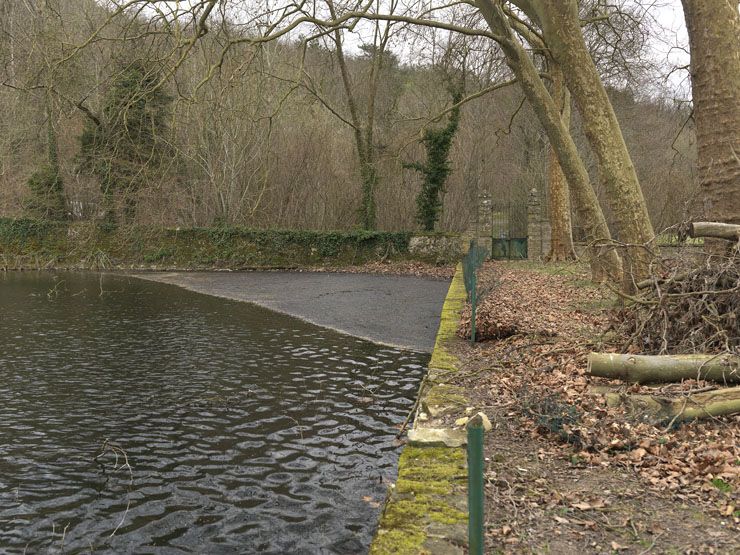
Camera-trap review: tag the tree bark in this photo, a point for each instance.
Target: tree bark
(665, 368)
(561, 245)
(721, 402)
(603, 263)
(562, 32)
(714, 38)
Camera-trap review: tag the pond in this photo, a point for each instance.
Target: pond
(138, 417)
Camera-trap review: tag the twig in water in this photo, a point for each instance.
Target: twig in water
(118, 453)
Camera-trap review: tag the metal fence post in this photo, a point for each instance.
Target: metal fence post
(475, 487)
(473, 303)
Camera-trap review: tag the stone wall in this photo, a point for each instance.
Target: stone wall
(426, 512)
(438, 248)
(484, 223)
(538, 225)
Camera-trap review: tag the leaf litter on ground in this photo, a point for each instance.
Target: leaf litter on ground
(537, 325)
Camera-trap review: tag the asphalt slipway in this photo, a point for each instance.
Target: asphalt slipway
(401, 311)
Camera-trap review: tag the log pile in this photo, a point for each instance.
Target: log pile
(685, 324)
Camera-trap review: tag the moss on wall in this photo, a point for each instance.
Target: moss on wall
(427, 507)
(32, 244)
(442, 358)
(427, 478)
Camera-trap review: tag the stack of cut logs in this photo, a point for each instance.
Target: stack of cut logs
(721, 368)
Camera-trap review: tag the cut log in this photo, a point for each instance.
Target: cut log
(665, 368)
(730, 232)
(721, 402)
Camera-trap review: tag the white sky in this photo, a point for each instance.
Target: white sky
(669, 45)
(671, 49)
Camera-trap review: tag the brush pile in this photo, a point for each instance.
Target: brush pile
(686, 310)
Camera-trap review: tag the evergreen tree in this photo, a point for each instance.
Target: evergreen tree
(46, 198)
(125, 147)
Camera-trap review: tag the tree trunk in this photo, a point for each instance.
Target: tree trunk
(561, 245)
(721, 402)
(363, 141)
(665, 368)
(52, 144)
(603, 263)
(369, 183)
(714, 37)
(562, 32)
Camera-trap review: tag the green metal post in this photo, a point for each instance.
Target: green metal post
(473, 302)
(475, 487)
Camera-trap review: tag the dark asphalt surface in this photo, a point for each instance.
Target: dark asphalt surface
(401, 311)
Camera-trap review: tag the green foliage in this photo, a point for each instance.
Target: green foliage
(82, 244)
(368, 208)
(126, 145)
(326, 244)
(23, 230)
(159, 255)
(46, 195)
(721, 485)
(437, 168)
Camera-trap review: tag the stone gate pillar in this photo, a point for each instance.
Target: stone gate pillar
(484, 227)
(538, 228)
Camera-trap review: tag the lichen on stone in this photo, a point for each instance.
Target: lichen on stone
(428, 478)
(430, 494)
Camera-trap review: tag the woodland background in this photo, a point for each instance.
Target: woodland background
(257, 139)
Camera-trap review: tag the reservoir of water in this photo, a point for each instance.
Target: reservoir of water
(137, 417)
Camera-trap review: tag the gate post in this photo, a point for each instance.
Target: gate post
(537, 234)
(485, 222)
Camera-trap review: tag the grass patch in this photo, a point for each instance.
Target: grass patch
(721, 485)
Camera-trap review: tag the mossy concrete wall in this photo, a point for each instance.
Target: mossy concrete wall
(31, 244)
(426, 512)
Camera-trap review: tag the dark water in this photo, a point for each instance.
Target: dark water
(244, 431)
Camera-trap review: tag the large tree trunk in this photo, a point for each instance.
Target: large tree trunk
(714, 38)
(562, 32)
(561, 245)
(606, 263)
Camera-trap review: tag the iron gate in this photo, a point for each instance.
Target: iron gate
(508, 230)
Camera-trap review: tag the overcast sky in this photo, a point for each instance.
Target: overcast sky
(669, 41)
(671, 48)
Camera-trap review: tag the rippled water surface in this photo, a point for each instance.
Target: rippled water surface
(137, 417)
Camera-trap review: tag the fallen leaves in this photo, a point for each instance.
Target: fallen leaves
(395, 268)
(544, 325)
